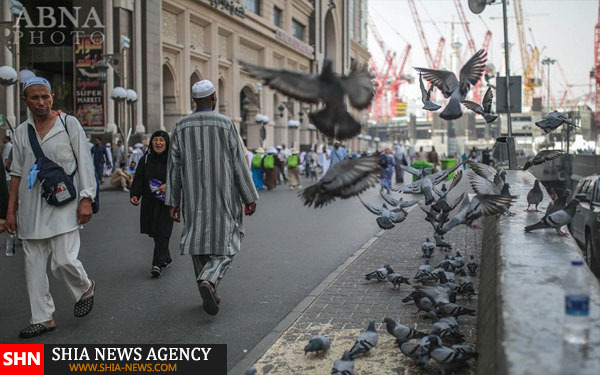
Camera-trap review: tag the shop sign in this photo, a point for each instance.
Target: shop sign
(89, 92)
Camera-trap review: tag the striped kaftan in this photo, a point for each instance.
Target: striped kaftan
(208, 177)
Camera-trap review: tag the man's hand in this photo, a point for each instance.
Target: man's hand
(2, 225)
(249, 209)
(174, 212)
(134, 200)
(163, 189)
(11, 222)
(84, 211)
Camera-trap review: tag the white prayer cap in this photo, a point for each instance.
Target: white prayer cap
(202, 89)
(271, 150)
(138, 145)
(36, 81)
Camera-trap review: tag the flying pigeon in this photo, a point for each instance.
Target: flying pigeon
(449, 358)
(396, 279)
(441, 242)
(472, 266)
(427, 248)
(426, 96)
(542, 157)
(557, 219)
(535, 196)
(552, 121)
(477, 206)
(401, 332)
(454, 89)
(427, 182)
(334, 120)
(419, 173)
(318, 344)
(386, 218)
(343, 180)
(488, 180)
(343, 366)
(365, 342)
(380, 274)
(485, 109)
(397, 202)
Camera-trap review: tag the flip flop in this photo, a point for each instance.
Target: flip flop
(84, 306)
(35, 330)
(210, 301)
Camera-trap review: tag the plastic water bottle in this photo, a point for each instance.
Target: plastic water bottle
(11, 242)
(577, 314)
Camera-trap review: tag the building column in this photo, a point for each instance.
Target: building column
(8, 60)
(111, 126)
(139, 88)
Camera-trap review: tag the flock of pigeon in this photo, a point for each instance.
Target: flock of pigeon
(439, 287)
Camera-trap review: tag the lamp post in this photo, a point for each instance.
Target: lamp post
(119, 95)
(10, 39)
(548, 61)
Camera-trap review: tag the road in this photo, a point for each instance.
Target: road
(287, 251)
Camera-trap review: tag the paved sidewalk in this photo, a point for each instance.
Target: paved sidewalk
(342, 310)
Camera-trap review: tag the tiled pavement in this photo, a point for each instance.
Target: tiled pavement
(345, 306)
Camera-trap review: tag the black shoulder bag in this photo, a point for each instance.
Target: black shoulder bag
(57, 186)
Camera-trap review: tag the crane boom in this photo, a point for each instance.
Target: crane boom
(465, 25)
(415, 14)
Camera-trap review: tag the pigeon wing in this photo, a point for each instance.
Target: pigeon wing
(304, 87)
(414, 188)
(487, 100)
(483, 170)
(494, 204)
(358, 85)
(404, 204)
(472, 70)
(481, 185)
(349, 172)
(473, 107)
(444, 80)
(424, 92)
(457, 177)
(376, 210)
(457, 201)
(411, 170)
(388, 199)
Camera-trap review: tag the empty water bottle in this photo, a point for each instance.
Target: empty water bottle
(11, 242)
(577, 312)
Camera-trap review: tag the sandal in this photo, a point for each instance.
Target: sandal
(85, 304)
(155, 272)
(210, 302)
(35, 330)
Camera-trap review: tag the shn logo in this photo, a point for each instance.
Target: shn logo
(21, 359)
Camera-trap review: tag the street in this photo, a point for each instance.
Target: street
(288, 250)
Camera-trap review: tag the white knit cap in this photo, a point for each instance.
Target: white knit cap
(202, 89)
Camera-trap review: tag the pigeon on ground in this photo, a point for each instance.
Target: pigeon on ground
(424, 269)
(427, 248)
(542, 157)
(401, 332)
(447, 264)
(438, 294)
(448, 358)
(397, 202)
(557, 219)
(535, 196)
(250, 371)
(472, 266)
(415, 352)
(552, 121)
(421, 300)
(396, 279)
(450, 320)
(318, 344)
(459, 261)
(386, 218)
(428, 105)
(477, 206)
(441, 242)
(445, 331)
(452, 309)
(345, 179)
(454, 89)
(365, 342)
(485, 109)
(334, 120)
(380, 274)
(343, 366)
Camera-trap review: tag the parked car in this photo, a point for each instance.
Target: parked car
(585, 226)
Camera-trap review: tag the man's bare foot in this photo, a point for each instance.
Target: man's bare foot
(90, 289)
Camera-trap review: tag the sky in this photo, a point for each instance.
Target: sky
(564, 29)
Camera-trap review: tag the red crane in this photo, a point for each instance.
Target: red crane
(398, 78)
(380, 106)
(597, 70)
(433, 63)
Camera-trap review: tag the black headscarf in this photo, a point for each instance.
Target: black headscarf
(165, 154)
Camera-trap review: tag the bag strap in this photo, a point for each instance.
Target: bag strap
(35, 145)
(69, 136)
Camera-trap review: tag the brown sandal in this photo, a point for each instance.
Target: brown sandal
(210, 301)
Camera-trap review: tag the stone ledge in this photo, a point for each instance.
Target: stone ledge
(521, 305)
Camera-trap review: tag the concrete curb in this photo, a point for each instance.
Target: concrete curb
(263, 345)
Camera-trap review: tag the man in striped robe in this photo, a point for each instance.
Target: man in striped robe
(208, 182)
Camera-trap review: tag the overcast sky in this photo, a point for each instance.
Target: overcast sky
(564, 29)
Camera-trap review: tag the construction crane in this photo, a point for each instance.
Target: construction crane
(529, 58)
(431, 61)
(597, 70)
(380, 106)
(398, 78)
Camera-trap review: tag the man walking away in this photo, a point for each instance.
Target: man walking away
(100, 158)
(214, 182)
(400, 159)
(50, 230)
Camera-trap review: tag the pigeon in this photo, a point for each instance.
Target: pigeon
(397, 202)
(427, 248)
(442, 193)
(452, 309)
(318, 344)
(426, 96)
(459, 261)
(557, 219)
(380, 274)
(419, 173)
(454, 89)
(343, 180)
(552, 121)
(485, 109)
(477, 206)
(250, 371)
(386, 217)
(497, 186)
(542, 157)
(421, 300)
(447, 264)
(343, 366)
(401, 332)
(365, 342)
(415, 351)
(472, 266)
(535, 196)
(333, 120)
(441, 242)
(445, 331)
(438, 294)
(448, 358)
(396, 279)
(424, 269)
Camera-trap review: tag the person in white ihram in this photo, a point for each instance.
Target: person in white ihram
(50, 231)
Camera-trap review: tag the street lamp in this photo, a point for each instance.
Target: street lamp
(262, 120)
(548, 61)
(10, 39)
(102, 69)
(8, 75)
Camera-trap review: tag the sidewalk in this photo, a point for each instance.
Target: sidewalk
(342, 310)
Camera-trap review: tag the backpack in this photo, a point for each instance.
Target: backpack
(293, 161)
(256, 160)
(383, 162)
(269, 161)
